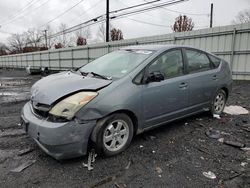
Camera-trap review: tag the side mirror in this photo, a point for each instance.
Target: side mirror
(155, 77)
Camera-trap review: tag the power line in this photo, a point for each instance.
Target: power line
(58, 16)
(20, 12)
(147, 8)
(144, 14)
(101, 17)
(22, 15)
(144, 22)
(94, 6)
(179, 12)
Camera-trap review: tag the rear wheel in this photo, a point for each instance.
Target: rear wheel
(114, 135)
(219, 102)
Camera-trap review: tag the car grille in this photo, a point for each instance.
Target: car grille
(42, 111)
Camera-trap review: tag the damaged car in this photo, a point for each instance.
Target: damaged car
(108, 101)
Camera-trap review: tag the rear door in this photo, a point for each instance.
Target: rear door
(168, 98)
(203, 79)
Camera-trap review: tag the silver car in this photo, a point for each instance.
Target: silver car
(105, 103)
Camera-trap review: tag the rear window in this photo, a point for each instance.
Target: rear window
(215, 61)
(197, 61)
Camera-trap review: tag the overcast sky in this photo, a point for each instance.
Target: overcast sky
(17, 16)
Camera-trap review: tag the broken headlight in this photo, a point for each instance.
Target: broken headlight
(67, 107)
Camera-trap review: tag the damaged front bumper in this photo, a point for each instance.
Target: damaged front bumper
(59, 140)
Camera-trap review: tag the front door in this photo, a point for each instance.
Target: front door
(166, 99)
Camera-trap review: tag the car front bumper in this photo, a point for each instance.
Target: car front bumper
(59, 140)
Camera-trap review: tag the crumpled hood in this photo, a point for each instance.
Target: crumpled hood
(51, 88)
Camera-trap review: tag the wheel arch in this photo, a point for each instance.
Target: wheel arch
(100, 121)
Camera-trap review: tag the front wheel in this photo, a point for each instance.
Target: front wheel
(114, 135)
(219, 102)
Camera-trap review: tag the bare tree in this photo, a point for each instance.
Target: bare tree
(85, 33)
(242, 17)
(116, 34)
(33, 38)
(3, 49)
(81, 36)
(101, 34)
(183, 23)
(66, 39)
(81, 41)
(16, 43)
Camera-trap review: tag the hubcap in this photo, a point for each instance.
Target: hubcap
(219, 103)
(116, 135)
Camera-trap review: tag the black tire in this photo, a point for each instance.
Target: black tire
(219, 110)
(103, 129)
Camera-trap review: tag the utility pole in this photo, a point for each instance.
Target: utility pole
(45, 34)
(107, 20)
(211, 15)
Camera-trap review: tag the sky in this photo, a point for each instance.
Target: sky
(18, 16)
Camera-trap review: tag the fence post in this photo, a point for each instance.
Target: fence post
(40, 55)
(108, 48)
(72, 59)
(59, 56)
(33, 62)
(232, 49)
(88, 54)
(174, 40)
(49, 60)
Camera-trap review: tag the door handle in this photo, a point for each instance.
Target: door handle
(183, 85)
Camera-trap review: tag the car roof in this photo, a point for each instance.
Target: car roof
(152, 47)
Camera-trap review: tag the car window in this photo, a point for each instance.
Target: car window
(118, 63)
(214, 60)
(169, 64)
(197, 61)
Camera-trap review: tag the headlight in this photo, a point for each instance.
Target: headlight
(70, 105)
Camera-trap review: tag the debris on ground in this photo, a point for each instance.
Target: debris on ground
(235, 110)
(119, 185)
(213, 134)
(245, 149)
(91, 159)
(243, 164)
(12, 132)
(209, 175)
(159, 171)
(221, 140)
(104, 181)
(128, 165)
(25, 151)
(216, 116)
(23, 166)
(234, 144)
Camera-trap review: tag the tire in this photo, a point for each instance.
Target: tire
(113, 134)
(219, 102)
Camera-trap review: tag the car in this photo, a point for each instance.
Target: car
(108, 101)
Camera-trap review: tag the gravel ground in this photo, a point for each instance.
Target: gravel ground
(175, 155)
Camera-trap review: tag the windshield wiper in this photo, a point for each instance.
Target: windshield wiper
(96, 75)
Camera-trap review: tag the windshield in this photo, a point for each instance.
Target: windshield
(116, 64)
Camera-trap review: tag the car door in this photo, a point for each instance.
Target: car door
(203, 81)
(166, 99)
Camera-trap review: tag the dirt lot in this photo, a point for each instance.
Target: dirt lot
(175, 155)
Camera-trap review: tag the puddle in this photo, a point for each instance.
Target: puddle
(14, 89)
(8, 93)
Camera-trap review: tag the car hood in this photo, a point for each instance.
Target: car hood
(53, 87)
